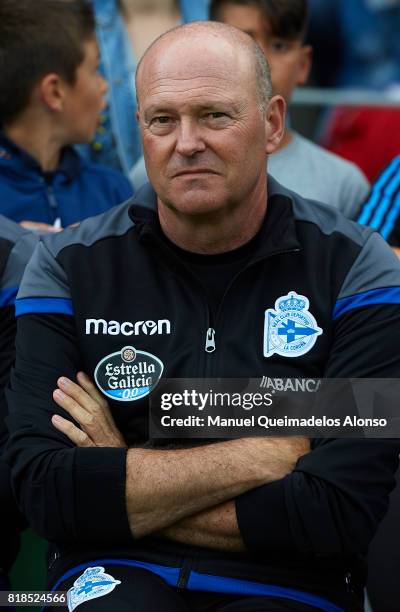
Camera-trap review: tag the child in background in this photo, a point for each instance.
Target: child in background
(279, 27)
(50, 99)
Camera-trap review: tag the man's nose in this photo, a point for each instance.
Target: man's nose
(189, 138)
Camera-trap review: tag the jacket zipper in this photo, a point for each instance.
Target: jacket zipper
(210, 342)
(347, 579)
(209, 345)
(54, 558)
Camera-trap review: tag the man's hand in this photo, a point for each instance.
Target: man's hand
(90, 410)
(186, 495)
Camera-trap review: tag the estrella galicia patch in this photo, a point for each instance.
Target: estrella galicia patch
(94, 582)
(128, 374)
(290, 329)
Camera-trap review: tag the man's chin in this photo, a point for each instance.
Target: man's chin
(196, 203)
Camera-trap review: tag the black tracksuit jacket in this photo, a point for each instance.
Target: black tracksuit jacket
(16, 247)
(85, 292)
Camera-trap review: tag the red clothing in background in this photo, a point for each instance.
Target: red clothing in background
(369, 137)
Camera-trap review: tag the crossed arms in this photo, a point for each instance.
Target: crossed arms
(325, 502)
(186, 495)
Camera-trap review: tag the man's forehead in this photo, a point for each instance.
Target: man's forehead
(193, 103)
(191, 40)
(184, 66)
(208, 81)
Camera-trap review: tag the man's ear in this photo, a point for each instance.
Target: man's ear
(305, 62)
(274, 123)
(52, 91)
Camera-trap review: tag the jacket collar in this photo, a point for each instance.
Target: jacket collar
(278, 232)
(70, 162)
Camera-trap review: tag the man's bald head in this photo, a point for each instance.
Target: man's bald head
(207, 122)
(202, 32)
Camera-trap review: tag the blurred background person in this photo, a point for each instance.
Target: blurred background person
(381, 211)
(358, 46)
(50, 98)
(364, 38)
(125, 28)
(279, 27)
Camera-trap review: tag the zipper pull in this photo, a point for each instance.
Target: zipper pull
(347, 579)
(54, 558)
(210, 340)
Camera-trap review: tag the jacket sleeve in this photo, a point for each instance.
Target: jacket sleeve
(380, 209)
(11, 520)
(7, 353)
(67, 494)
(333, 501)
(15, 250)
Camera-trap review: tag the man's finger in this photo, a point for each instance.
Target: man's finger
(86, 384)
(99, 427)
(85, 418)
(80, 396)
(85, 381)
(76, 435)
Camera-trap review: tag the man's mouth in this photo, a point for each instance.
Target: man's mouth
(190, 171)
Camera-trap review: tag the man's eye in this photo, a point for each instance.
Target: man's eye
(160, 120)
(216, 115)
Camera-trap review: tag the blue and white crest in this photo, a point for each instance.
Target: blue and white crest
(290, 329)
(94, 582)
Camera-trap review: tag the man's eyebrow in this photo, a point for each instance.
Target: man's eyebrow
(203, 106)
(210, 104)
(156, 108)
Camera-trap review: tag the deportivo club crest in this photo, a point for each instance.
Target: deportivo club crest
(290, 329)
(93, 583)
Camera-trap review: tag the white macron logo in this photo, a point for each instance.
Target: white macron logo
(127, 328)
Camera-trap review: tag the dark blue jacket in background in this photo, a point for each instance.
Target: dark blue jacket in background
(76, 190)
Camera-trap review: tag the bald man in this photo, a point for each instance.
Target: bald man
(176, 283)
